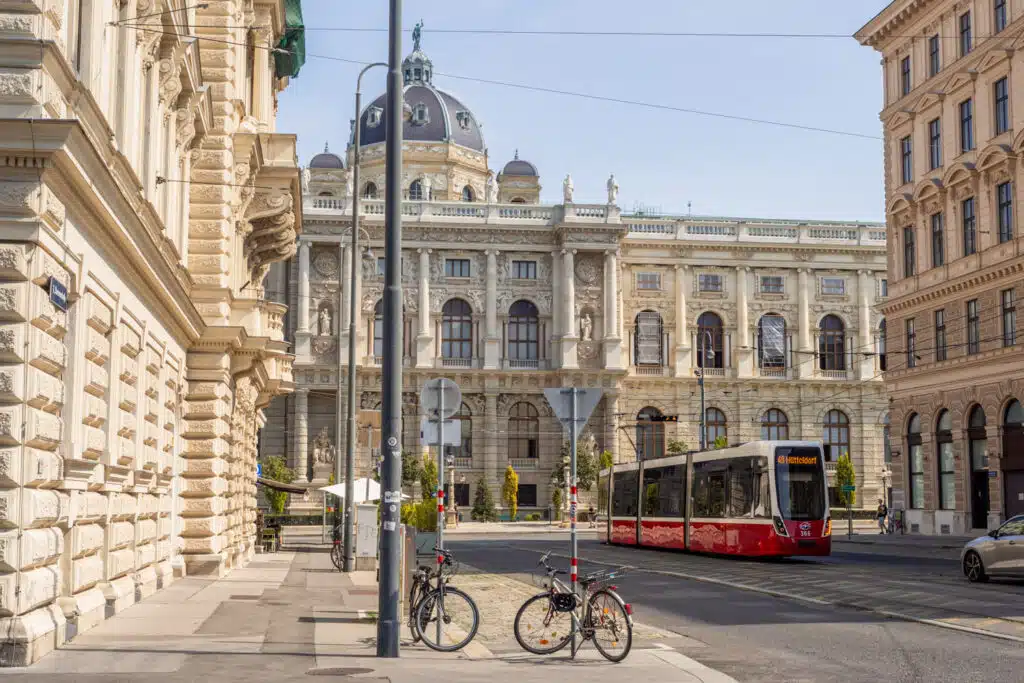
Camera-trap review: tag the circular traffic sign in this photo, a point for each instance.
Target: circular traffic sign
(438, 392)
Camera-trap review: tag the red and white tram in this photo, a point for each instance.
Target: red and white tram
(764, 498)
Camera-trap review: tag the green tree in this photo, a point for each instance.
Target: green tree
(677, 447)
(275, 470)
(845, 476)
(510, 492)
(411, 469)
(428, 478)
(607, 460)
(556, 500)
(720, 442)
(483, 503)
(586, 466)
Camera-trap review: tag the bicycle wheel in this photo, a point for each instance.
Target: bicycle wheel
(416, 594)
(613, 630)
(336, 556)
(541, 629)
(447, 619)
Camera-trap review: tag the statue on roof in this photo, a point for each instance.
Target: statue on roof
(417, 33)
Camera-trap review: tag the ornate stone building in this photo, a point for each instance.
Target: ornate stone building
(508, 296)
(956, 369)
(143, 195)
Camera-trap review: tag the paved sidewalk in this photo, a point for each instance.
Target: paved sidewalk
(289, 615)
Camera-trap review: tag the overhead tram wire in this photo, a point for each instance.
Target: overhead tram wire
(541, 89)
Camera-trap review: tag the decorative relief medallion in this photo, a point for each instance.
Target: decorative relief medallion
(326, 264)
(587, 271)
(588, 350)
(323, 345)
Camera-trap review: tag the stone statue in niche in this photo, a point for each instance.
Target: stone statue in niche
(567, 189)
(427, 184)
(492, 189)
(348, 184)
(323, 449)
(305, 180)
(325, 322)
(613, 189)
(586, 327)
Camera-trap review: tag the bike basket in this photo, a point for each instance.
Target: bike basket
(563, 602)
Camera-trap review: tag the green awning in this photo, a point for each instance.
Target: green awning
(287, 64)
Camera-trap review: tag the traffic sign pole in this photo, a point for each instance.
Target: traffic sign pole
(574, 560)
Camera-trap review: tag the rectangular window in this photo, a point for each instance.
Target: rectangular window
(940, 335)
(906, 160)
(916, 474)
(947, 472)
(909, 252)
(938, 243)
(905, 82)
(524, 270)
(648, 281)
(934, 144)
(833, 286)
(773, 284)
(934, 63)
(1004, 193)
(456, 267)
(973, 328)
(965, 34)
(380, 266)
(999, 15)
(527, 496)
(1009, 300)
(883, 287)
(708, 282)
(966, 126)
(970, 226)
(1001, 91)
(911, 344)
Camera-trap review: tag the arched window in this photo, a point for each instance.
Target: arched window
(714, 426)
(378, 329)
(465, 448)
(650, 435)
(915, 461)
(523, 431)
(836, 436)
(832, 344)
(416, 191)
(370, 191)
(771, 341)
(886, 445)
(774, 425)
(710, 341)
(517, 200)
(1014, 415)
(456, 329)
(467, 194)
(881, 345)
(977, 438)
(647, 347)
(947, 466)
(522, 331)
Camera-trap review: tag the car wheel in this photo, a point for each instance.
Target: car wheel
(974, 570)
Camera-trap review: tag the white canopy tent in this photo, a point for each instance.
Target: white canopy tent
(366, 489)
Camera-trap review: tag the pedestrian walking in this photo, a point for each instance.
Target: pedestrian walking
(882, 513)
(593, 520)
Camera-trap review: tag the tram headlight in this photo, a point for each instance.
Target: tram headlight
(780, 527)
(828, 527)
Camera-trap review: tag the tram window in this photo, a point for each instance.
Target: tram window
(602, 495)
(701, 495)
(741, 488)
(663, 491)
(624, 494)
(762, 491)
(716, 494)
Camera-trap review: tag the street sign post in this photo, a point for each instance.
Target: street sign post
(452, 432)
(573, 408)
(441, 398)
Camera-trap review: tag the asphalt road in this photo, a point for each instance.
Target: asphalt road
(757, 637)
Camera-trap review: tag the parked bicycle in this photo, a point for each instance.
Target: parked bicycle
(444, 617)
(337, 551)
(547, 622)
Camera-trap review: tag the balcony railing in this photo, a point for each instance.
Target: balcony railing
(524, 364)
(832, 374)
(830, 467)
(463, 463)
(649, 370)
(714, 372)
(772, 372)
(524, 463)
(456, 362)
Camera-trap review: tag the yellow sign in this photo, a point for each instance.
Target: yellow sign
(797, 460)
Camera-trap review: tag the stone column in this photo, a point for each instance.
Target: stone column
(492, 440)
(570, 337)
(262, 97)
(682, 368)
(302, 331)
(611, 421)
(744, 351)
(492, 342)
(612, 341)
(301, 444)
(865, 291)
(556, 309)
(424, 340)
(345, 277)
(804, 359)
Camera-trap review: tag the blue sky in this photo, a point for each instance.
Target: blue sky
(661, 159)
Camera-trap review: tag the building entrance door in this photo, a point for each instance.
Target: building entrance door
(979, 481)
(1014, 490)
(1012, 462)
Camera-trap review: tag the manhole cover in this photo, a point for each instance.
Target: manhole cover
(339, 671)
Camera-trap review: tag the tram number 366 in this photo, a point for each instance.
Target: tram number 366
(804, 532)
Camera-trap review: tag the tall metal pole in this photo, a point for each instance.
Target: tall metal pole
(700, 381)
(350, 433)
(573, 560)
(389, 625)
(440, 495)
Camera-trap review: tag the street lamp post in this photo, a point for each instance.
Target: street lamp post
(350, 433)
(700, 379)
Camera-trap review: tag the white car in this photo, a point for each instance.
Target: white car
(998, 553)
